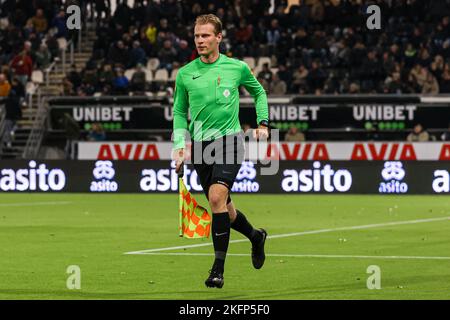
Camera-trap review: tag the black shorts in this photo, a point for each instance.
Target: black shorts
(218, 161)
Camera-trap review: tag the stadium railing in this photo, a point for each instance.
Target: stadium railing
(35, 138)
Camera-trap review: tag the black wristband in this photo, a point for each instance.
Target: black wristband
(264, 123)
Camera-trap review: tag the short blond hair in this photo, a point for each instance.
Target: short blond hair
(210, 18)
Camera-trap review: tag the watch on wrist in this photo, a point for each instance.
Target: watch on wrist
(264, 123)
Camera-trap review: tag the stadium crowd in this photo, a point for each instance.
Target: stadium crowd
(317, 47)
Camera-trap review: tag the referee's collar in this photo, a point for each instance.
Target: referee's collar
(210, 64)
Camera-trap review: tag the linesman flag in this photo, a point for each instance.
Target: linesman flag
(195, 221)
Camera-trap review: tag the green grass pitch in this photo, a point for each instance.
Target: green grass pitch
(42, 234)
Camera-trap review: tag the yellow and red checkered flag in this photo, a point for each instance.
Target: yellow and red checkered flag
(195, 221)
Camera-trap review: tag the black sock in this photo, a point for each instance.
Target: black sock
(221, 237)
(242, 225)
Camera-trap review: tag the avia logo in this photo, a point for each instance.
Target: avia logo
(104, 173)
(244, 179)
(393, 174)
(128, 151)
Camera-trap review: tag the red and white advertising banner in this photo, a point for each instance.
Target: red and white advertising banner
(351, 151)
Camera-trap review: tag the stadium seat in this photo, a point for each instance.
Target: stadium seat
(153, 64)
(250, 61)
(62, 43)
(129, 73)
(173, 74)
(257, 70)
(37, 76)
(161, 75)
(262, 60)
(30, 88)
(148, 75)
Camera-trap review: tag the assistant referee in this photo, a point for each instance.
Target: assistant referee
(209, 87)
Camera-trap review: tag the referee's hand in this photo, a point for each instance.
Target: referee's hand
(261, 133)
(178, 156)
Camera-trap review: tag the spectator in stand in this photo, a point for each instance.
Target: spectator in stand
(265, 73)
(22, 67)
(264, 83)
(68, 88)
(316, 76)
(446, 135)
(13, 113)
(96, 133)
(277, 86)
(74, 76)
(43, 57)
(284, 74)
(118, 54)
(431, 86)
(102, 6)
(139, 79)
(151, 33)
(39, 22)
(120, 83)
(167, 55)
(5, 87)
(273, 34)
(418, 134)
(184, 52)
(418, 76)
(106, 75)
(300, 78)
(137, 55)
(60, 23)
(294, 135)
(444, 84)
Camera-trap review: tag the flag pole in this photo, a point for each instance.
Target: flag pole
(180, 200)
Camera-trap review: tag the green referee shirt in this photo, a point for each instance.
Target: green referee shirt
(211, 92)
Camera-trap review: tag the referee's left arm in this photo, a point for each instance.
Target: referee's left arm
(258, 93)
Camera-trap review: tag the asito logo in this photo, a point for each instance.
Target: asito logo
(244, 179)
(317, 180)
(441, 181)
(104, 173)
(393, 173)
(167, 179)
(34, 178)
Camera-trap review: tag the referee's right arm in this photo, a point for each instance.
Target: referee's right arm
(180, 125)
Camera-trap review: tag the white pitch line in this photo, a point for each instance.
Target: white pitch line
(367, 226)
(332, 256)
(30, 204)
